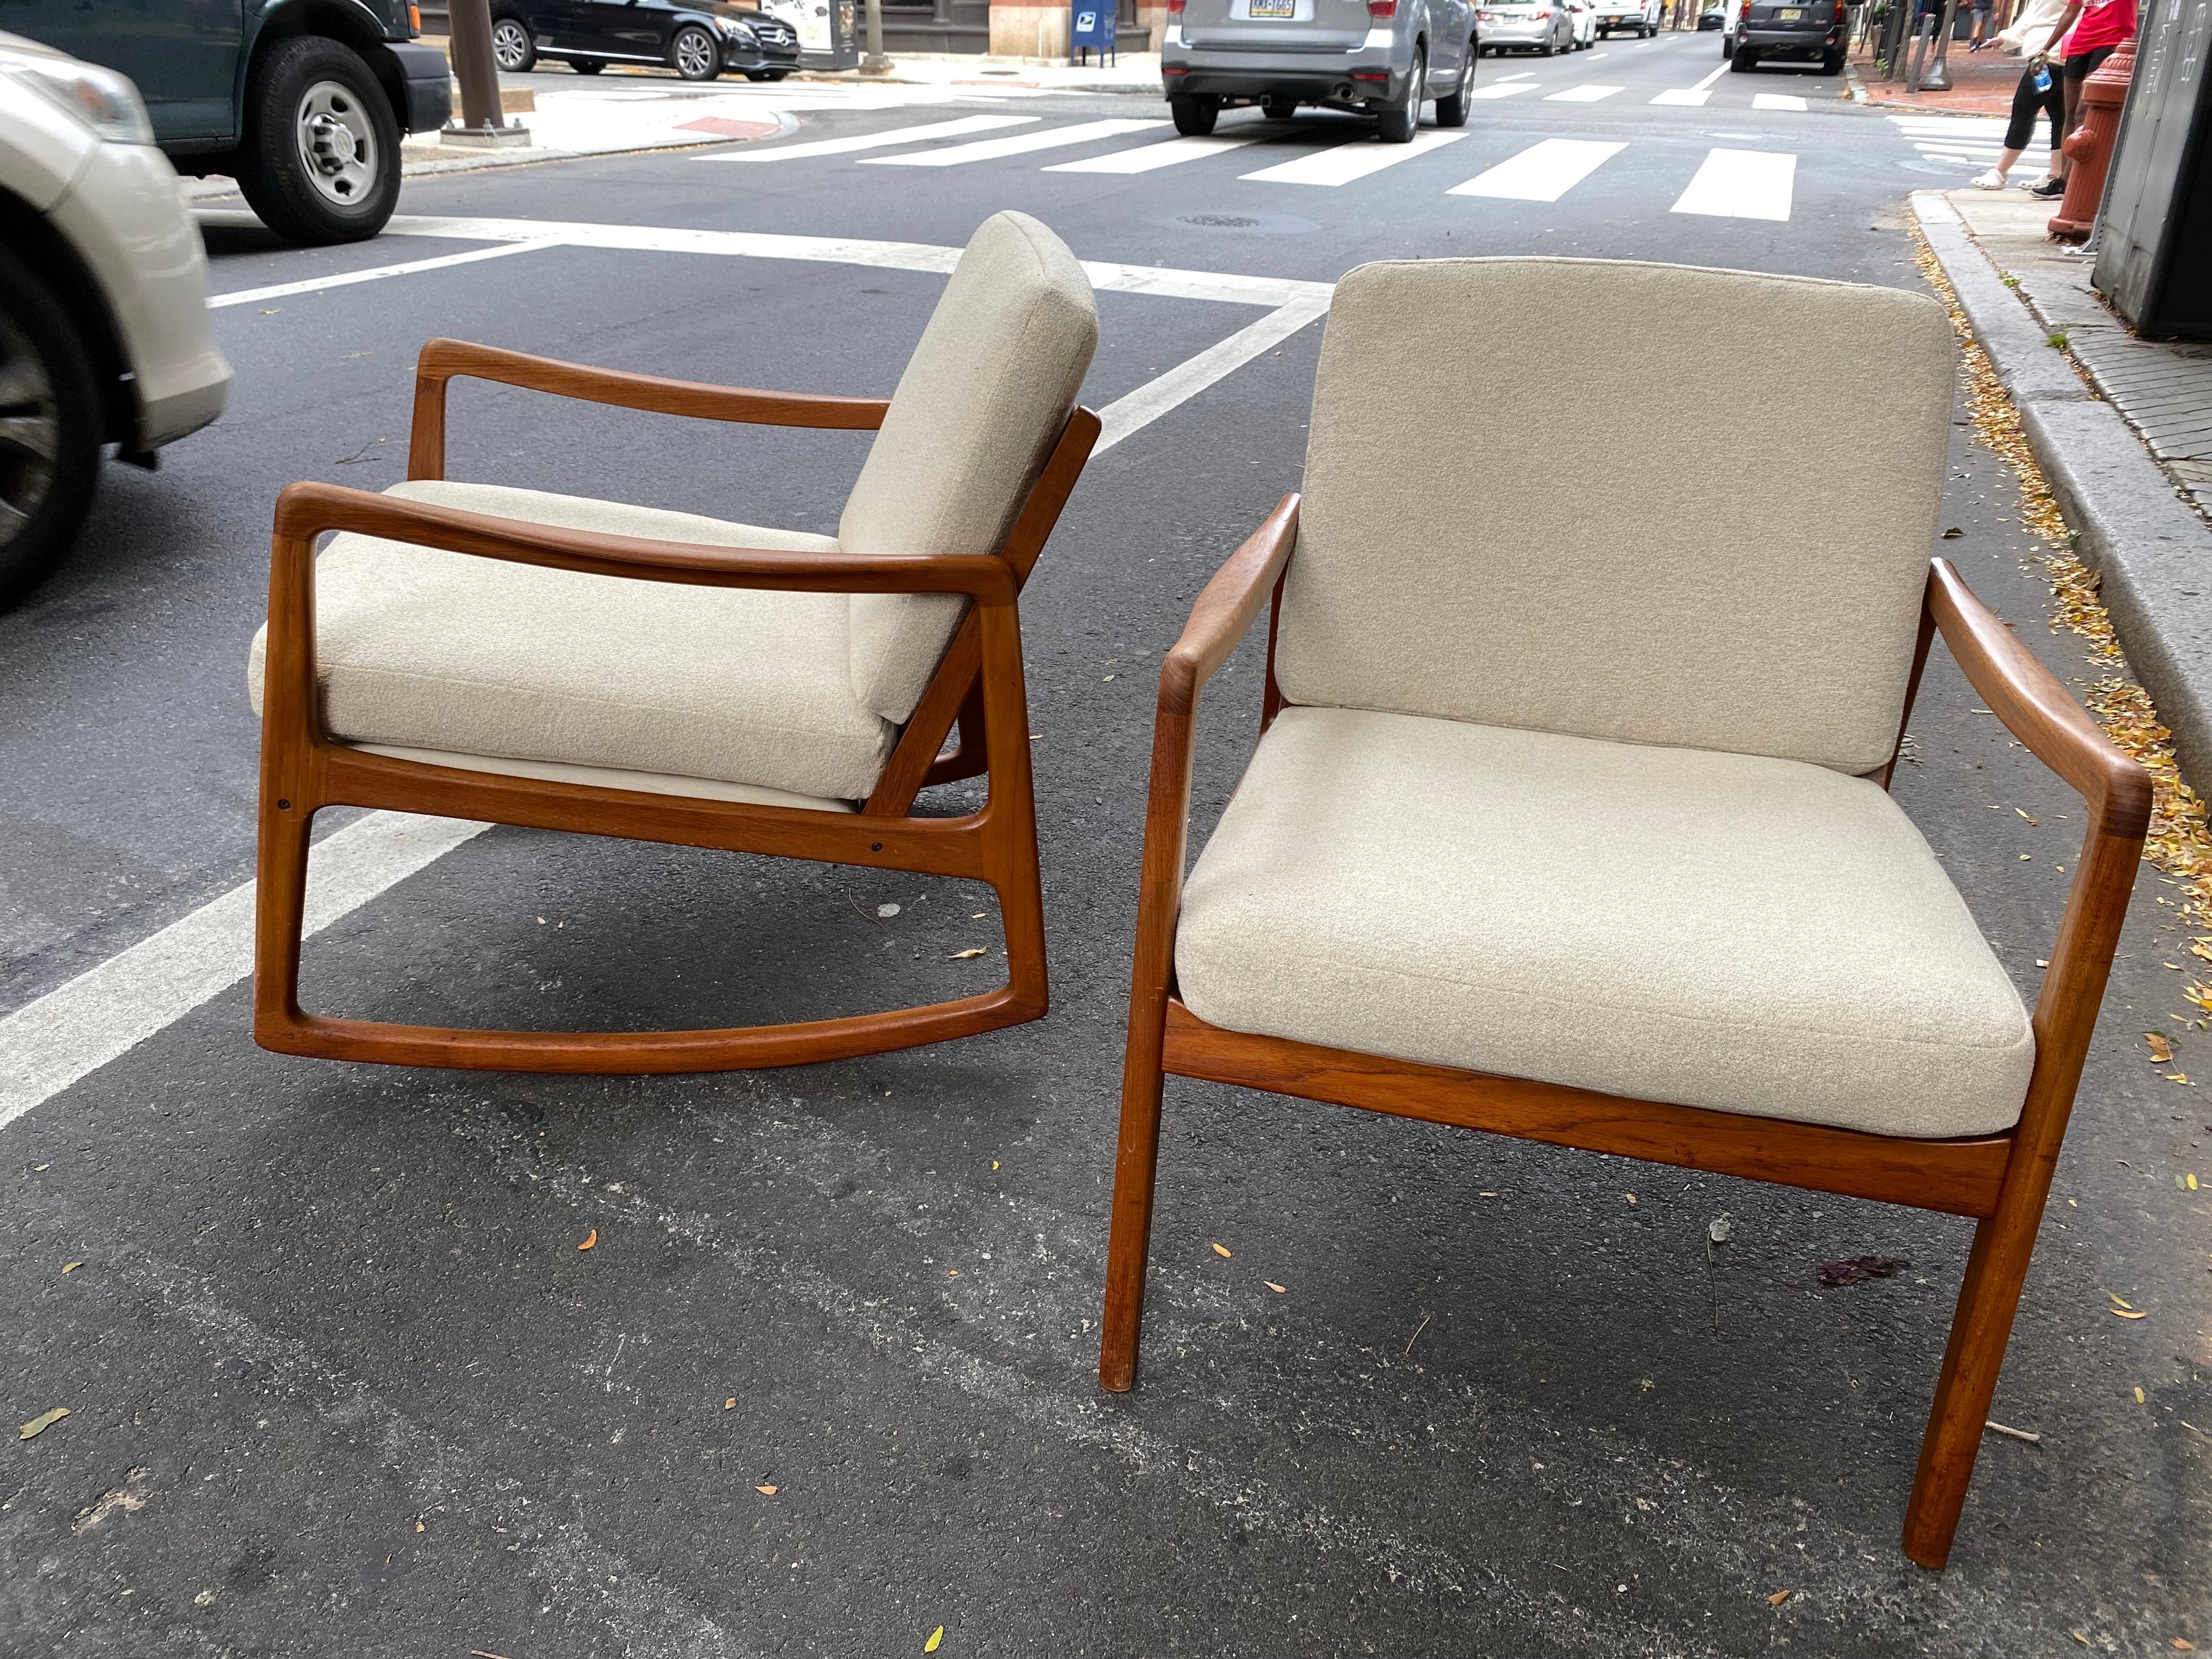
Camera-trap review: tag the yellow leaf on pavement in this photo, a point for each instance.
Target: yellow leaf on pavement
(1778, 1598)
(1221, 1252)
(963, 956)
(592, 1238)
(2139, 1396)
(935, 1637)
(2125, 1313)
(765, 1491)
(2162, 1051)
(39, 1425)
(1277, 1289)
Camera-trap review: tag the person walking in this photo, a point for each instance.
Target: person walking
(2038, 94)
(1980, 37)
(2087, 32)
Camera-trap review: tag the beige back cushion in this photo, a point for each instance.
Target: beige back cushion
(981, 402)
(1647, 503)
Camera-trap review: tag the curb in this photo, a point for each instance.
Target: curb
(2154, 553)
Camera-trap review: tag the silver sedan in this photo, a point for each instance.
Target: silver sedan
(1544, 27)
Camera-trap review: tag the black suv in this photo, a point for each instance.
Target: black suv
(303, 101)
(698, 39)
(1809, 30)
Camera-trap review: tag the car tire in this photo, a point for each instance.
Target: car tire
(1547, 50)
(585, 66)
(695, 54)
(766, 75)
(1742, 59)
(1397, 124)
(319, 162)
(1279, 109)
(511, 48)
(1452, 109)
(1194, 114)
(51, 430)
(1832, 63)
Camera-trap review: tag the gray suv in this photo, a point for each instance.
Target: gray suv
(1380, 58)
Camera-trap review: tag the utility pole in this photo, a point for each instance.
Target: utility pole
(875, 63)
(484, 124)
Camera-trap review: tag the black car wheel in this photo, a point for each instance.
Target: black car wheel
(1452, 106)
(696, 54)
(50, 431)
(766, 74)
(1742, 59)
(585, 66)
(320, 159)
(1831, 62)
(1194, 114)
(511, 48)
(1397, 123)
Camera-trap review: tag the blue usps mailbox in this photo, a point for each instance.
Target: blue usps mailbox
(1091, 25)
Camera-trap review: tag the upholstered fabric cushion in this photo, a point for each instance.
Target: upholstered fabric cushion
(981, 402)
(419, 648)
(1735, 932)
(1643, 502)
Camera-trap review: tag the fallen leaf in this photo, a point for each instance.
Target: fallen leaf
(1952, 534)
(2025, 816)
(2191, 1179)
(2139, 1396)
(2162, 1051)
(935, 1637)
(1486, 1195)
(963, 956)
(1857, 1269)
(995, 1163)
(39, 1425)
(2078, 1636)
(1221, 1252)
(590, 1239)
(1631, 1197)
(887, 911)
(2123, 1313)
(2122, 1301)
(2181, 1077)
(71, 1266)
(1778, 1598)
(2201, 948)
(1273, 1286)
(2184, 1644)
(765, 1491)
(205, 1599)
(730, 1404)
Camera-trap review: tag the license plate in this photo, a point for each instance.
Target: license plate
(1788, 13)
(1281, 9)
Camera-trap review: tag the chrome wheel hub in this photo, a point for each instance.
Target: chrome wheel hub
(508, 45)
(694, 52)
(337, 145)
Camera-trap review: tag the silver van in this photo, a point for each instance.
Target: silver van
(1381, 57)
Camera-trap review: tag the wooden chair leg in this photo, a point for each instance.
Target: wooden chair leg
(280, 907)
(1988, 1298)
(1135, 1167)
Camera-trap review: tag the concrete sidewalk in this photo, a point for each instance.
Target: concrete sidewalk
(2122, 428)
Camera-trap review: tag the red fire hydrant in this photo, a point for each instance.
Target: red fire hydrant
(2090, 147)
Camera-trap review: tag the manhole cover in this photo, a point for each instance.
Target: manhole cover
(1219, 221)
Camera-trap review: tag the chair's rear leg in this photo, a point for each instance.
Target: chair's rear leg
(1136, 1165)
(1988, 1298)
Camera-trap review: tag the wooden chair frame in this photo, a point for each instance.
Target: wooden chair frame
(978, 685)
(2001, 1180)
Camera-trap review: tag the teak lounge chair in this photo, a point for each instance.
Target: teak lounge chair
(540, 659)
(1568, 819)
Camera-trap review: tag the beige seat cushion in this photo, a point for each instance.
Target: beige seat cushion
(1643, 502)
(1748, 934)
(421, 649)
(981, 402)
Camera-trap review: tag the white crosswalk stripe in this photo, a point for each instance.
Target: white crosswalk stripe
(1689, 97)
(1543, 172)
(1502, 88)
(992, 149)
(1150, 158)
(1354, 159)
(1974, 142)
(1582, 94)
(1741, 183)
(966, 124)
(1776, 101)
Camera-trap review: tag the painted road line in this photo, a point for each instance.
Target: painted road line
(1341, 164)
(1689, 97)
(1502, 88)
(1150, 158)
(1741, 183)
(373, 274)
(1582, 95)
(78, 1027)
(1776, 101)
(992, 150)
(927, 130)
(1542, 172)
(1140, 407)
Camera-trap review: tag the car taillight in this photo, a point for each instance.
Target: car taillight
(415, 18)
(1381, 8)
(1175, 8)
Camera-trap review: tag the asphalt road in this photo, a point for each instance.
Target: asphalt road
(341, 1381)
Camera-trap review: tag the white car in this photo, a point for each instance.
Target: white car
(1545, 26)
(1582, 16)
(1637, 17)
(104, 333)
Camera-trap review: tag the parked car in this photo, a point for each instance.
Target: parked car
(1582, 16)
(1638, 17)
(303, 101)
(1543, 26)
(1381, 57)
(1731, 14)
(104, 335)
(1806, 32)
(1710, 19)
(697, 38)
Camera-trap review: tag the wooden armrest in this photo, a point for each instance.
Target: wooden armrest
(305, 510)
(2037, 709)
(443, 360)
(1225, 607)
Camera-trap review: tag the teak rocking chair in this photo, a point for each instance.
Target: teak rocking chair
(1568, 819)
(582, 665)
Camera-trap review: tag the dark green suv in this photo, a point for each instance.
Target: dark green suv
(303, 101)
